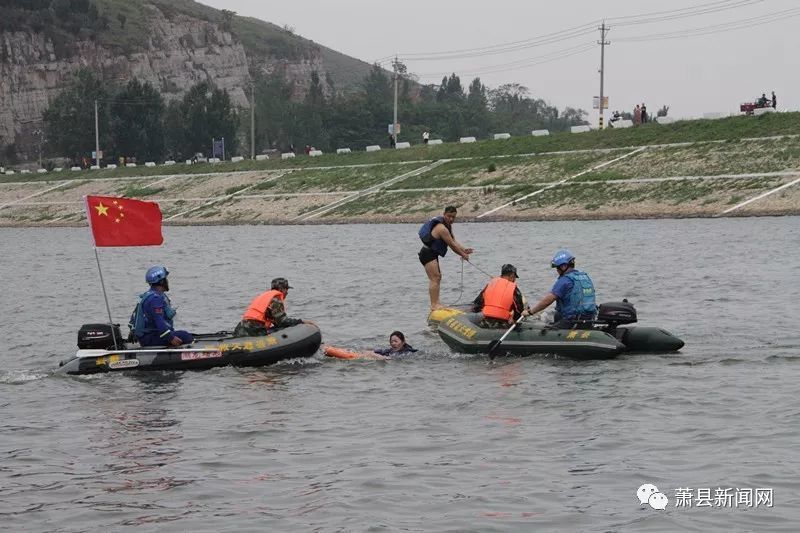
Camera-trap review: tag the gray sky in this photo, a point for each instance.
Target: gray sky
(713, 72)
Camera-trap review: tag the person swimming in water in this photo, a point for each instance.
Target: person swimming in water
(397, 346)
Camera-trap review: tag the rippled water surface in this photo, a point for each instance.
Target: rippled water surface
(440, 442)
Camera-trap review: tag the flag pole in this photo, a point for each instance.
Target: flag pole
(103, 285)
(100, 271)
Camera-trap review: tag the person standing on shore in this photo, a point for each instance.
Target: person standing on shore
(437, 235)
(774, 101)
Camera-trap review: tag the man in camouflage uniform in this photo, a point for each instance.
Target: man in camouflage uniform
(267, 312)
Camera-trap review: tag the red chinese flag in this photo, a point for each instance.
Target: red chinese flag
(123, 222)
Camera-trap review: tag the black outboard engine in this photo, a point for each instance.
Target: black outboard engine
(616, 313)
(100, 337)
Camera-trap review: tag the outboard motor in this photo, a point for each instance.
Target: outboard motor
(616, 313)
(100, 337)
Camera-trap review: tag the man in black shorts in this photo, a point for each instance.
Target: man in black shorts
(437, 235)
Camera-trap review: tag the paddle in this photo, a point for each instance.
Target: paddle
(496, 343)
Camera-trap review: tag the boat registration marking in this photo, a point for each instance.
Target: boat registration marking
(124, 363)
(574, 334)
(192, 356)
(248, 345)
(467, 331)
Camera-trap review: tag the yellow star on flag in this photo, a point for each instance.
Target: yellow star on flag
(101, 209)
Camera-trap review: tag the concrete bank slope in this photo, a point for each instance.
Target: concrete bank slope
(705, 178)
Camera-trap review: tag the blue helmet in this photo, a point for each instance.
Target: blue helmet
(562, 257)
(156, 274)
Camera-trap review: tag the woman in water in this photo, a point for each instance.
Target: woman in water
(397, 346)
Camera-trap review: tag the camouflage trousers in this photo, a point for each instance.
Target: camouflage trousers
(494, 323)
(250, 328)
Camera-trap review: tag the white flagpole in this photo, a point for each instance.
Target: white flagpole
(100, 271)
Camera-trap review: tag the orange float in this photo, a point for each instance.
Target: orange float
(341, 353)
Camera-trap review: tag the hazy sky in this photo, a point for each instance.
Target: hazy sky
(711, 72)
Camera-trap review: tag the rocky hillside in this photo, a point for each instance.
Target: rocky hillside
(172, 44)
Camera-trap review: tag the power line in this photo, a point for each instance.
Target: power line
(516, 65)
(676, 14)
(717, 28)
(550, 38)
(577, 31)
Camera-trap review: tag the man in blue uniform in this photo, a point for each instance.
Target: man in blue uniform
(151, 321)
(573, 293)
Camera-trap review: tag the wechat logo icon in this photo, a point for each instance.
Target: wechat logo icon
(648, 494)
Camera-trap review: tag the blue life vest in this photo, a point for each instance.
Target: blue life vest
(140, 324)
(437, 245)
(581, 300)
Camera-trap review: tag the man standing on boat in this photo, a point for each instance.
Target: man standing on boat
(151, 322)
(573, 293)
(267, 312)
(501, 300)
(437, 235)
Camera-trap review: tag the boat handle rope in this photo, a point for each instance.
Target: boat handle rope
(461, 292)
(479, 269)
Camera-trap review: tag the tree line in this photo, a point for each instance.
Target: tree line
(136, 121)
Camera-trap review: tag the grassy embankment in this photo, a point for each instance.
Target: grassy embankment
(478, 177)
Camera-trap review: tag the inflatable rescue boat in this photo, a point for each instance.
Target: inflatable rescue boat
(101, 349)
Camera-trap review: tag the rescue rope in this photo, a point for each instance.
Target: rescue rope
(461, 291)
(477, 268)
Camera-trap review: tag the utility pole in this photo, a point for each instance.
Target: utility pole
(394, 124)
(253, 121)
(40, 135)
(96, 137)
(602, 42)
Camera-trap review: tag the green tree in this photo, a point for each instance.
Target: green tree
(516, 112)
(206, 112)
(273, 113)
(227, 19)
(450, 90)
(137, 121)
(476, 112)
(350, 125)
(378, 97)
(69, 120)
(312, 116)
(174, 132)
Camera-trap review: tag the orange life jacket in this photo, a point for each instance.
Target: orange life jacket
(257, 310)
(498, 299)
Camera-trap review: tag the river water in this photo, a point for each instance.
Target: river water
(438, 442)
